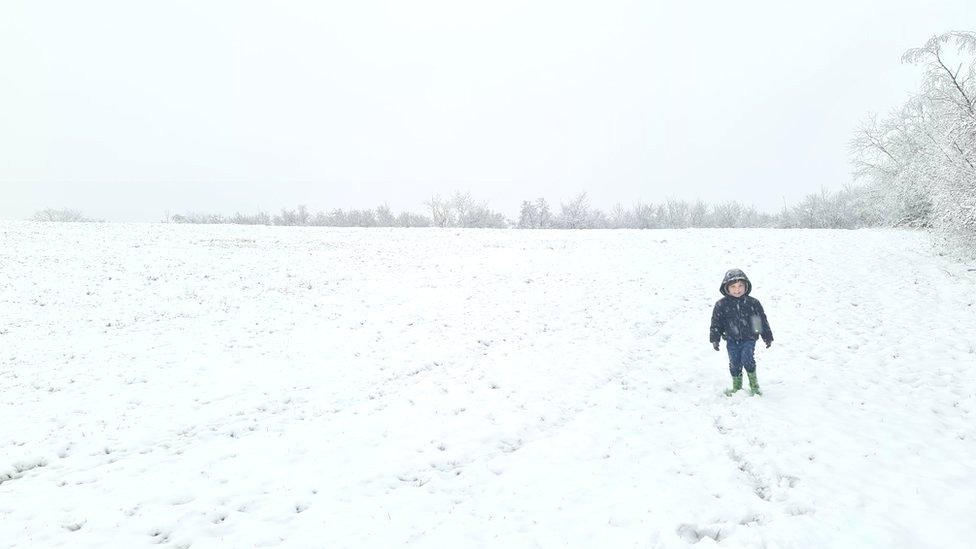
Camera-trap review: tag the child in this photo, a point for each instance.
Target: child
(740, 320)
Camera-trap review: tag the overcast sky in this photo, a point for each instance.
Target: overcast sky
(125, 109)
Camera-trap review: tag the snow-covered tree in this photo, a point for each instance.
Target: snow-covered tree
(461, 210)
(576, 213)
(546, 220)
(384, 216)
(678, 214)
(528, 216)
(620, 218)
(439, 212)
(921, 160)
(292, 217)
(698, 216)
(646, 216)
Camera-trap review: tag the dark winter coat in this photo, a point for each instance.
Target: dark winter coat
(738, 318)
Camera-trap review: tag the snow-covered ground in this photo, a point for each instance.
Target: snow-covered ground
(232, 386)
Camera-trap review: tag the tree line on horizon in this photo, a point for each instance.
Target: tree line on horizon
(463, 211)
(839, 210)
(845, 209)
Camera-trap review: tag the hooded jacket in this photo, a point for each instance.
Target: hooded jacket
(738, 318)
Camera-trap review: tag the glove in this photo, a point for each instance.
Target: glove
(769, 344)
(715, 345)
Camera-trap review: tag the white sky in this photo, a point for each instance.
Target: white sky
(125, 109)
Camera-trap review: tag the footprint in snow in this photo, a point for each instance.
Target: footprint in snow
(694, 533)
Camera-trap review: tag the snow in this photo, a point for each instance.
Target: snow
(230, 386)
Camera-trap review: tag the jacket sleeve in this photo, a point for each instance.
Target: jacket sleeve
(765, 332)
(715, 331)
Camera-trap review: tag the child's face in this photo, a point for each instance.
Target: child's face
(737, 288)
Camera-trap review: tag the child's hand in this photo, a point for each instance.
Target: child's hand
(769, 344)
(715, 345)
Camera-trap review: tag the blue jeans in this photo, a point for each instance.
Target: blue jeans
(742, 354)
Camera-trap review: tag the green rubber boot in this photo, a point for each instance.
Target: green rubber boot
(736, 385)
(753, 384)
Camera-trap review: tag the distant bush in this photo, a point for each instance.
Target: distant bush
(260, 218)
(407, 219)
(199, 218)
(60, 216)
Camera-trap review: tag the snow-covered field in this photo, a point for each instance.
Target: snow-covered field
(231, 386)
